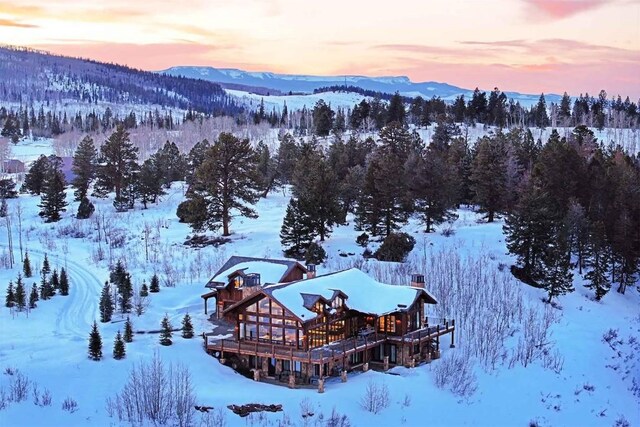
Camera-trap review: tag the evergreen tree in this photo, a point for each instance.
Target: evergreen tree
(117, 160)
(53, 196)
(564, 111)
(316, 189)
(396, 112)
(64, 282)
(488, 175)
(125, 295)
(527, 231)
(598, 259)
(84, 168)
(106, 304)
(315, 254)
(33, 296)
(85, 209)
(118, 274)
(296, 233)
(118, 347)
(165, 332)
(187, 327)
(8, 188)
(55, 280)
(541, 116)
(154, 285)
(21, 294)
(149, 182)
(557, 278)
(26, 265)
(170, 164)
(35, 179)
(322, 118)
(95, 343)
(225, 182)
(128, 331)
(46, 268)
(195, 158)
(144, 290)
(10, 299)
(4, 208)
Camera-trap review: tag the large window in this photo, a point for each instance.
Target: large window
(290, 335)
(264, 332)
(387, 324)
(251, 331)
(336, 331)
(263, 306)
(317, 337)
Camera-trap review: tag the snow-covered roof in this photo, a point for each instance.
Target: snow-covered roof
(269, 272)
(364, 294)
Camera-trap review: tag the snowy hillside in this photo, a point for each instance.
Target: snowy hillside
(586, 373)
(296, 102)
(305, 83)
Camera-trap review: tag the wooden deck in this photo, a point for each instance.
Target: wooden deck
(331, 352)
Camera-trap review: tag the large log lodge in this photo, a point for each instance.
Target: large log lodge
(276, 320)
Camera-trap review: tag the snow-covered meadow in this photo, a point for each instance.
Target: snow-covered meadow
(584, 380)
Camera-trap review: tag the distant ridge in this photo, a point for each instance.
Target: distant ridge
(286, 83)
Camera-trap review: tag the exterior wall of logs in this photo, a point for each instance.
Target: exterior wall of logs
(270, 342)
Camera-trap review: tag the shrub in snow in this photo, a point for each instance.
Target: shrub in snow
(315, 254)
(69, 405)
(395, 247)
(337, 420)
(216, 418)
(376, 397)
(155, 394)
(19, 388)
(455, 372)
(362, 240)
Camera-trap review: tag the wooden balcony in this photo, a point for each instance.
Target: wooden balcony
(336, 351)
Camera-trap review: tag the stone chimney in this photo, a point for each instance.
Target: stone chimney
(311, 271)
(417, 281)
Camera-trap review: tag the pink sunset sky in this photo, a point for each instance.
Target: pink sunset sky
(529, 46)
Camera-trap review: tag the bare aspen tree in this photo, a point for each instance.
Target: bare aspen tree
(19, 211)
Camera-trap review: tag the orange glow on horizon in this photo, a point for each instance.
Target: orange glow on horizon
(528, 46)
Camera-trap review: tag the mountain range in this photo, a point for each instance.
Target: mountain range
(295, 83)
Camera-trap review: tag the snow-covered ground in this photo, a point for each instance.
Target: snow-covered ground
(296, 102)
(49, 344)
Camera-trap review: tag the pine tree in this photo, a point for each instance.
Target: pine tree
(10, 299)
(53, 195)
(396, 112)
(315, 254)
(4, 208)
(55, 280)
(296, 233)
(557, 278)
(598, 259)
(187, 327)
(316, 188)
(118, 274)
(85, 209)
(117, 159)
(149, 182)
(46, 268)
(226, 181)
(84, 168)
(33, 296)
(144, 290)
(95, 343)
(21, 294)
(165, 332)
(488, 175)
(125, 295)
(527, 231)
(170, 163)
(64, 282)
(106, 304)
(26, 265)
(118, 347)
(155, 284)
(128, 331)
(35, 179)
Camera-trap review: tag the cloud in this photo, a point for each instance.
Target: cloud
(15, 24)
(560, 9)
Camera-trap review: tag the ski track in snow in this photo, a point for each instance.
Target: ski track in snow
(81, 305)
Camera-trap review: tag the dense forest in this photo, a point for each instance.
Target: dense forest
(31, 77)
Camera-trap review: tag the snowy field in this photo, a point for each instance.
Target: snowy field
(49, 344)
